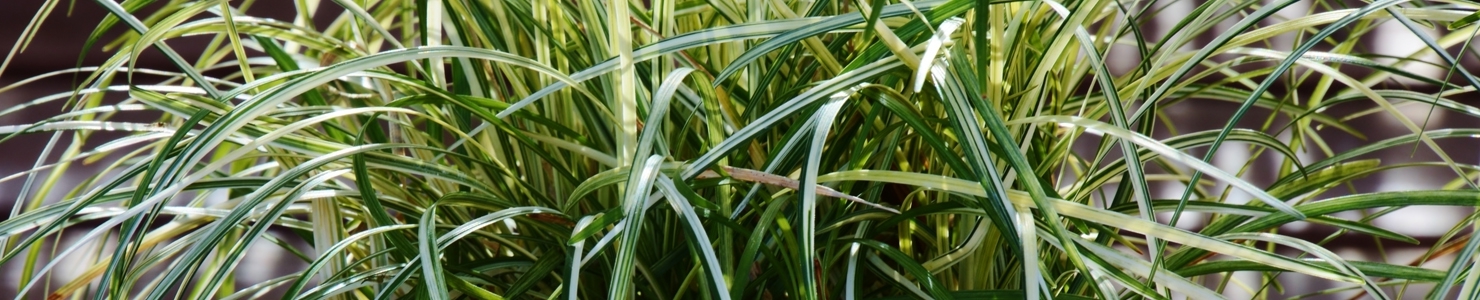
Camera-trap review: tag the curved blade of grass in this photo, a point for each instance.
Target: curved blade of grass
(1081, 211)
(677, 193)
(1372, 268)
(230, 257)
(964, 111)
(221, 227)
(927, 282)
(807, 236)
(827, 25)
(1340, 204)
(434, 283)
(471, 226)
(127, 215)
(932, 48)
(639, 182)
(29, 33)
(50, 213)
(260, 288)
(1336, 261)
(1139, 192)
(1108, 172)
(333, 253)
(1371, 147)
(118, 11)
(1259, 211)
(237, 118)
(665, 47)
(911, 115)
(1171, 154)
(1284, 66)
(1143, 269)
(574, 262)
(794, 140)
(532, 276)
(362, 279)
(786, 109)
(753, 244)
(155, 35)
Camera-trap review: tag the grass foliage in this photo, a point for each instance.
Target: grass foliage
(721, 149)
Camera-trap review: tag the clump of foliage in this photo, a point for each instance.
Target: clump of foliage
(675, 149)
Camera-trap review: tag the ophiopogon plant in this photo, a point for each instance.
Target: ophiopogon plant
(741, 150)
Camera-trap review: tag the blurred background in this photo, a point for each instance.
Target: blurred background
(64, 34)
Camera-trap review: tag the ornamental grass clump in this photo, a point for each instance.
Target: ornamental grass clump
(739, 150)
